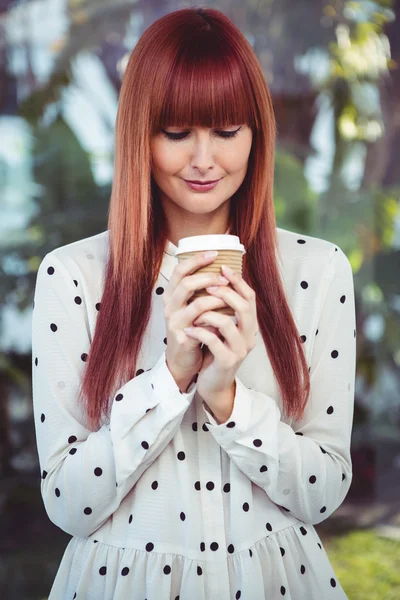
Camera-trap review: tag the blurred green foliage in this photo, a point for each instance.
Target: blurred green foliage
(367, 566)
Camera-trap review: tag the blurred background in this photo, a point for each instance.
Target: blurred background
(333, 68)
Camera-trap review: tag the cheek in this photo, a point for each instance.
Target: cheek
(237, 158)
(166, 159)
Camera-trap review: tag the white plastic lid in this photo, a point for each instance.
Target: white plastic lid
(200, 243)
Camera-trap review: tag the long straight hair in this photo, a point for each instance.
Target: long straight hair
(192, 67)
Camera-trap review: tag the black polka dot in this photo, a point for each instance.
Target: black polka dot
(299, 433)
(130, 519)
(330, 410)
(250, 552)
(50, 270)
(53, 327)
(159, 291)
(199, 571)
(210, 485)
(231, 548)
(263, 469)
(282, 551)
(57, 492)
(167, 569)
(322, 450)
(97, 306)
(283, 590)
(343, 476)
(303, 530)
(194, 426)
(197, 486)
(319, 545)
(257, 443)
(78, 300)
(323, 509)
(125, 571)
(303, 338)
(181, 456)
(245, 507)
(98, 471)
(139, 372)
(214, 546)
(149, 546)
(304, 285)
(334, 353)
(231, 424)
(84, 357)
(103, 570)
(74, 596)
(227, 487)
(202, 547)
(145, 445)
(72, 439)
(75, 282)
(333, 582)
(312, 479)
(302, 569)
(238, 595)
(42, 417)
(36, 361)
(72, 451)
(269, 526)
(154, 485)
(301, 241)
(343, 299)
(204, 427)
(182, 516)
(119, 397)
(44, 474)
(88, 510)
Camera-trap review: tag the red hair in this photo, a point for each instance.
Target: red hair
(191, 67)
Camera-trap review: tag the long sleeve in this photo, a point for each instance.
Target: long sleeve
(86, 474)
(306, 469)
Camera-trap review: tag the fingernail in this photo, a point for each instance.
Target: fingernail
(227, 270)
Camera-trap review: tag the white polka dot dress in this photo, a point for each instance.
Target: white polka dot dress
(164, 502)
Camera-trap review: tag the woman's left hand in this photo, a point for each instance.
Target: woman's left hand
(223, 357)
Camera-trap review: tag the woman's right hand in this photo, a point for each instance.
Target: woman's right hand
(184, 355)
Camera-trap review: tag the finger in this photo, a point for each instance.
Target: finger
(238, 283)
(246, 314)
(187, 267)
(231, 297)
(212, 341)
(227, 329)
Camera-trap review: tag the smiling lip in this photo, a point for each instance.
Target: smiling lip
(202, 182)
(202, 187)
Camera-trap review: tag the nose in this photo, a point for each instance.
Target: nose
(202, 154)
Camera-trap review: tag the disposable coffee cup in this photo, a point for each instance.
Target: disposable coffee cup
(230, 253)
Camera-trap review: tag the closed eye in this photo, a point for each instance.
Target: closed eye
(183, 134)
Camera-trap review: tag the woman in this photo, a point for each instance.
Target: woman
(193, 465)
